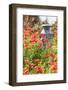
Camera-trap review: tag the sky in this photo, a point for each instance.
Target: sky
(51, 19)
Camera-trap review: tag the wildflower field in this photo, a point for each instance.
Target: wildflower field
(40, 53)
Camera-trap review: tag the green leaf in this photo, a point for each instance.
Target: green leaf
(32, 71)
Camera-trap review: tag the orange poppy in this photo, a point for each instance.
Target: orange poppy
(53, 67)
(26, 71)
(26, 33)
(34, 35)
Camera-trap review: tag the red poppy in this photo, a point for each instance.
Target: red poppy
(52, 54)
(47, 55)
(38, 69)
